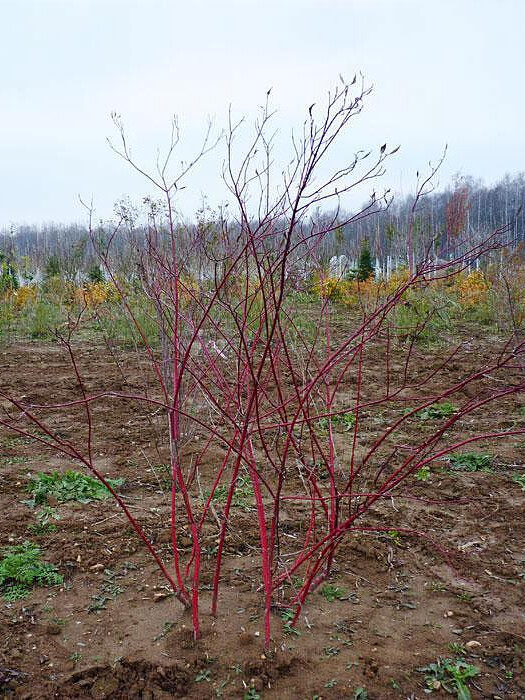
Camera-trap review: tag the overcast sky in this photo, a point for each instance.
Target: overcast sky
(444, 71)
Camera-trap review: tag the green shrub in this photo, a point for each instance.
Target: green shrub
(41, 319)
(114, 323)
(423, 316)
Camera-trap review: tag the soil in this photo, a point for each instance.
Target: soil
(113, 630)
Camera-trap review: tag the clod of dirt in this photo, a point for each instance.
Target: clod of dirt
(103, 687)
(133, 679)
(181, 638)
(245, 638)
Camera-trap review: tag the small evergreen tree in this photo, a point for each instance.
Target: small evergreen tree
(52, 268)
(366, 265)
(95, 273)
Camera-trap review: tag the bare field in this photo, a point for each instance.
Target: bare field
(395, 603)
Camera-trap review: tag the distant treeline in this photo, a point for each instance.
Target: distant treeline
(467, 211)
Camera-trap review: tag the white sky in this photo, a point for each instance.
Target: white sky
(444, 71)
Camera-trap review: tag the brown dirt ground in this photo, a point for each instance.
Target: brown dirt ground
(107, 633)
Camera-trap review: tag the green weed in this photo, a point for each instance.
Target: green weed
(203, 675)
(69, 486)
(395, 537)
(114, 323)
(14, 442)
(438, 410)
(166, 629)
(7, 461)
(251, 694)
(332, 651)
(331, 592)
(346, 421)
(437, 586)
(43, 526)
(470, 462)
(242, 496)
(360, 694)
(59, 621)
(452, 675)
(109, 591)
(423, 474)
(21, 569)
(98, 603)
(287, 616)
(520, 480)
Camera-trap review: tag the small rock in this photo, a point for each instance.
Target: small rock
(449, 613)
(473, 644)
(97, 567)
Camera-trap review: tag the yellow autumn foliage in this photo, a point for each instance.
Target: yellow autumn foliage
(25, 295)
(347, 292)
(472, 289)
(96, 293)
(396, 280)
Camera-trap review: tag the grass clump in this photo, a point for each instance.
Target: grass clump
(69, 486)
(21, 569)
